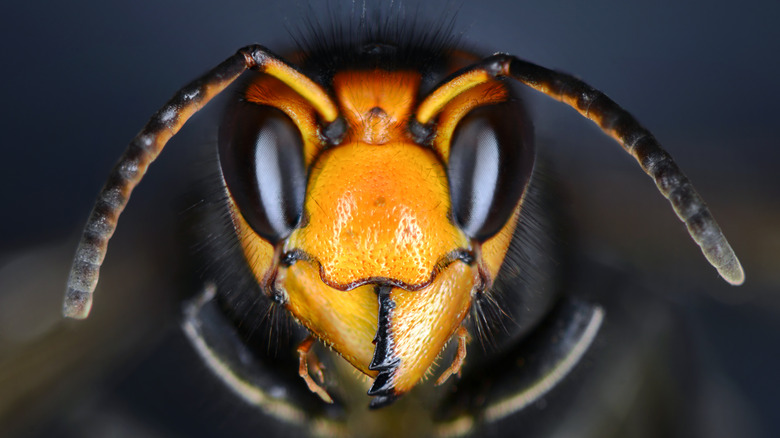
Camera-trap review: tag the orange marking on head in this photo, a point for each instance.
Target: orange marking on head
(267, 90)
(376, 104)
(494, 249)
(258, 252)
(424, 321)
(345, 321)
(305, 87)
(377, 211)
(435, 101)
(451, 114)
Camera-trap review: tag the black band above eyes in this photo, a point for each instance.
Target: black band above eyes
(491, 160)
(261, 158)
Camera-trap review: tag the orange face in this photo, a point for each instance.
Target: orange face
(377, 268)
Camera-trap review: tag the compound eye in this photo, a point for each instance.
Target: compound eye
(261, 157)
(490, 163)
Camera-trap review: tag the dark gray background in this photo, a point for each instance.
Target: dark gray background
(80, 78)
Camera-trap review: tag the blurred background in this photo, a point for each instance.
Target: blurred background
(81, 78)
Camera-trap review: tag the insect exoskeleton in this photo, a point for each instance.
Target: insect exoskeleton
(377, 233)
(375, 189)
